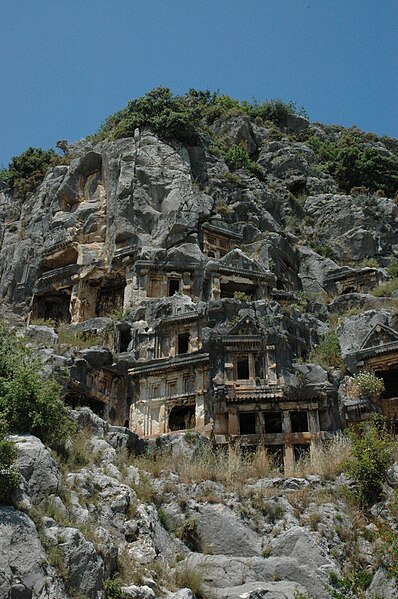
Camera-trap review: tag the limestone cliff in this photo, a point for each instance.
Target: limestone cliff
(225, 281)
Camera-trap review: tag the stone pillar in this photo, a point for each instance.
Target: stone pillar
(233, 422)
(288, 458)
(261, 423)
(271, 363)
(186, 283)
(163, 419)
(286, 424)
(199, 412)
(313, 421)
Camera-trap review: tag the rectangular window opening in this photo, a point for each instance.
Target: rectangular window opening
(174, 286)
(299, 421)
(183, 343)
(247, 423)
(272, 422)
(242, 368)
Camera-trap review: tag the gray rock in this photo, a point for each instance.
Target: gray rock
(392, 476)
(40, 474)
(85, 418)
(42, 335)
(85, 566)
(220, 572)
(182, 594)
(121, 438)
(262, 590)
(222, 532)
(24, 569)
(382, 586)
(138, 592)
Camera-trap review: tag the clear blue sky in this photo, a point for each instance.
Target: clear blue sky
(65, 65)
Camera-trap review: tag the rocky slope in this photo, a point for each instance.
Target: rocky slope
(259, 537)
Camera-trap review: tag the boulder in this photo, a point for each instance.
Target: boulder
(40, 474)
(24, 569)
(85, 567)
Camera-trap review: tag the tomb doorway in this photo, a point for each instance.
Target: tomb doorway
(182, 418)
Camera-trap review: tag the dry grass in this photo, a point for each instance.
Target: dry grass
(328, 459)
(232, 466)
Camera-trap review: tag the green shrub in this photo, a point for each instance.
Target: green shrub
(26, 172)
(385, 289)
(355, 163)
(392, 268)
(371, 451)
(9, 475)
(388, 542)
(242, 296)
(355, 581)
(113, 589)
(185, 118)
(237, 157)
(327, 353)
(28, 401)
(368, 385)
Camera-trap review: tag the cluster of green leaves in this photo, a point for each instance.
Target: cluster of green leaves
(9, 475)
(184, 117)
(371, 451)
(327, 353)
(29, 403)
(368, 385)
(354, 159)
(26, 172)
(237, 157)
(355, 581)
(392, 268)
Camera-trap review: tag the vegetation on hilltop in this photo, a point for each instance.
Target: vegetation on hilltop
(184, 117)
(354, 158)
(26, 171)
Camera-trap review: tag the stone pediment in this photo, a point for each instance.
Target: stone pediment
(246, 326)
(236, 259)
(378, 336)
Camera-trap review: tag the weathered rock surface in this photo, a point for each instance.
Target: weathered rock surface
(40, 474)
(24, 569)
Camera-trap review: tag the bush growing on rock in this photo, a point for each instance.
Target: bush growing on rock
(368, 385)
(371, 451)
(327, 352)
(183, 118)
(29, 403)
(26, 172)
(9, 475)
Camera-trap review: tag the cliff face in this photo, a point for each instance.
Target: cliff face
(176, 287)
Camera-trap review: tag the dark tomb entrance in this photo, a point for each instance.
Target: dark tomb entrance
(182, 418)
(174, 286)
(390, 378)
(183, 343)
(242, 367)
(247, 423)
(299, 421)
(272, 422)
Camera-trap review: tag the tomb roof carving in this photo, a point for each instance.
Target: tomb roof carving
(222, 230)
(381, 339)
(379, 335)
(57, 276)
(246, 326)
(169, 364)
(237, 262)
